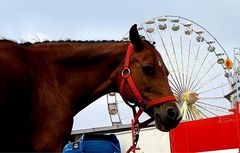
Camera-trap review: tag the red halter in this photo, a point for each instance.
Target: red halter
(143, 104)
(126, 75)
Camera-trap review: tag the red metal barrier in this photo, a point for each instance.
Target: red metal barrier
(210, 134)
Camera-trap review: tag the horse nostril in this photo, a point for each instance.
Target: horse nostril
(172, 113)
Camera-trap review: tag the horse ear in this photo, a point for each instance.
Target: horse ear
(135, 38)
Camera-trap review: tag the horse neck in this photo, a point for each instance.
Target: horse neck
(85, 71)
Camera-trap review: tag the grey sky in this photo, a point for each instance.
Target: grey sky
(111, 19)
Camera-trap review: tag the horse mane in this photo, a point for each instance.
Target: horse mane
(28, 43)
(67, 41)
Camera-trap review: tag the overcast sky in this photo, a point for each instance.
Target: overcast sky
(31, 20)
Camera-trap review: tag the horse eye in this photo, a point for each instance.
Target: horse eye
(148, 69)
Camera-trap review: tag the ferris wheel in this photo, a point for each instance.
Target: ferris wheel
(199, 67)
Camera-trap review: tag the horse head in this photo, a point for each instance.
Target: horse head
(144, 83)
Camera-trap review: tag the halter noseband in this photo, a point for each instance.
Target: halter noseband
(143, 104)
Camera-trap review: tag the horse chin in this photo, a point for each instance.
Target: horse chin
(164, 127)
(159, 126)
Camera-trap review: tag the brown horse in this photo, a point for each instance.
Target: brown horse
(43, 85)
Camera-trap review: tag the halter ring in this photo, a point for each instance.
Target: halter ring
(126, 72)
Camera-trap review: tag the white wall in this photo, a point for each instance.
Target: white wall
(151, 140)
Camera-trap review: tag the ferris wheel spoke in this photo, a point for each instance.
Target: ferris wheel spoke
(190, 115)
(173, 88)
(152, 40)
(215, 88)
(212, 97)
(187, 116)
(188, 61)
(208, 81)
(214, 108)
(176, 84)
(173, 85)
(202, 113)
(175, 56)
(175, 93)
(203, 76)
(205, 109)
(169, 59)
(201, 66)
(181, 46)
(219, 107)
(195, 61)
(195, 111)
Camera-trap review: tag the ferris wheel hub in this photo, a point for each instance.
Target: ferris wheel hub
(190, 97)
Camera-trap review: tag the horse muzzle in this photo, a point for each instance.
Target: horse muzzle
(167, 116)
